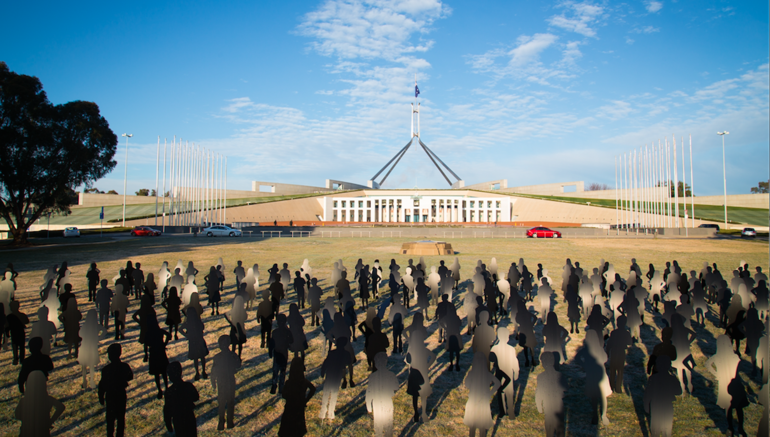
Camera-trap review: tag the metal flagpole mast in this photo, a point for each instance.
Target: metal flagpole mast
(214, 188)
(225, 189)
(684, 187)
(171, 183)
(676, 185)
(184, 183)
(157, 165)
(221, 197)
(627, 209)
(655, 188)
(692, 189)
(668, 186)
(643, 185)
(208, 188)
(617, 216)
(165, 144)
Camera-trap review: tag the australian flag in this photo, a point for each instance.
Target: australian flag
(416, 91)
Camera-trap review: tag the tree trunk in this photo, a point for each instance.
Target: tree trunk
(19, 236)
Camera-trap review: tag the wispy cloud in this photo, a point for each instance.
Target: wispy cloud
(653, 6)
(645, 29)
(578, 18)
(615, 111)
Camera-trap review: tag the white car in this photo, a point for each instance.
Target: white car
(748, 232)
(221, 231)
(71, 232)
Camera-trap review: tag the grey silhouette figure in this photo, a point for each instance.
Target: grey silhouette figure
(164, 275)
(93, 281)
(314, 295)
(188, 290)
(597, 385)
(45, 290)
(544, 293)
(251, 283)
(285, 275)
(45, 329)
(179, 406)
(35, 361)
(197, 349)
(620, 340)
(418, 324)
(88, 354)
(212, 289)
(237, 320)
(342, 328)
(478, 412)
(333, 370)
(682, 337)
(383, 385)
(265, 316)
(723, 366)
(659, 396)
(239, 273)
(193, 305)
(549, 395)
(112, 390)
(34, 409)
(763, 298)
(278, 350)
(119, 309)
(455, 268)
(556, 337)
(419, 359)
(506, 367)
(630, 309)
(226, 363)
(71, 321)
(103, 302)
(664, 348)
(17, 326)
(296, 324)
(297, 391)
(484, 337)
(140, 317)
(53, 305)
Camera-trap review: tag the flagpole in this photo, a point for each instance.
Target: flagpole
(163, 220)
(157, 164)
(692, 188)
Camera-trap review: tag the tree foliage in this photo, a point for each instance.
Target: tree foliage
(143, 192)
(46, 151)
(761, 188)
(597, 187)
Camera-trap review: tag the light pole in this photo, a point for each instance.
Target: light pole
(724, 172)
(125, 176)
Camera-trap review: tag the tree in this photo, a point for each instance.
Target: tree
(153, 193)
(93, 190)
(112, 192)
(143, 192)
(761, 188)
(597, 187)
(46, 151)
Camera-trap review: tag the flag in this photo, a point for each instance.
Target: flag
(416, 91)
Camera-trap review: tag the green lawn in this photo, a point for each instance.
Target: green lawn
(259, 413)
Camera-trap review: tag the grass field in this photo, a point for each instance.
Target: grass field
(259, 413)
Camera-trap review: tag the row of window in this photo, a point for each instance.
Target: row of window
(416, 203)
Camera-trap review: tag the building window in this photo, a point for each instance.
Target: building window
(343, 203)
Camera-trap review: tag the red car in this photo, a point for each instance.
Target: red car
(144, 231)
(542, 232)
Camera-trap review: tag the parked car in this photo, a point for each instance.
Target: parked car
(71, 232)
(144, 231)
(710, 225)
(748, 232)
(543, 232)
(221, 231)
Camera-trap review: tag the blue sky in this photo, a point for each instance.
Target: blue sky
(299, 92)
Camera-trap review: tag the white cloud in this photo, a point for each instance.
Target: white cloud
(653, 6)
(646, 29)
(325, 92)
(529, 48)
(617, 110)
(578, 18)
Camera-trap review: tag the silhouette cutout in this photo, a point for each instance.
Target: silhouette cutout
(299, 288)
(525, 332)
(738, 401)
(478, 413)
(179, 406)
(70, 318)
(723, 366)
(278, 350)
(597, 385)
(296, 324)
(197, 349)
(549, 395)
(484, 337)
(620, 340)
(455, 268)
(112, 390)
(35, 361)
(314, 295)
(681, 338)
(383, 385)
(419, 359)
(659, 396)
(172, 305)
(265, 317)
(239, 273)
(276, 295)
(333, 370)
(506, 367)
(17, 326)
(92, 275)
(212, 289)
(297, 391)
(396, 318)
(363, 285)
(34, 409)
(556, 337)
(103, 302)
(223, 370)
(157, 340)
(45, 329)
(88, 355)
(237, 320)
(377, 343)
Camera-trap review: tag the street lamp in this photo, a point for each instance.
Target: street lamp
(125, 174)
(724, 172)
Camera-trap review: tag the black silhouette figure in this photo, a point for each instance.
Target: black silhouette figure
(556, 336)
(383, 384)
(157, 339)
(738, 401)
(265, 316)
(179, 406)
(112, 390)
(297, 391)
(140, 317)
(453, 339)
(396, 318)
(659, 396)
(333, 370)
(172, 304)
(664, 348)
(363, 285)
(93, 281)
(314, 295)
(103, 302)
(212, 289)
(299, 288)
(137, 280)
(478, 412)
(17, 326)
(226, 363)
(34, 409)
(237, 320)
(620, 340)
(197, 349)
(35, 361)
(278, 350)
(239, 273)
(276, 295)
(549, 395)
(525, 332)
(375, 280)
(296, 324)
(753, 329)
(377, 343)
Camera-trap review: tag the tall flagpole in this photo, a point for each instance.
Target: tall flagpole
(171, 183)
(676, 185)
(668, 185)
(617, 216)
(225, 189)
(684, 187)
(692, 188)
(165, 141)
(157, 164)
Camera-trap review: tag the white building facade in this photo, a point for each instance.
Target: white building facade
(418, 207)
